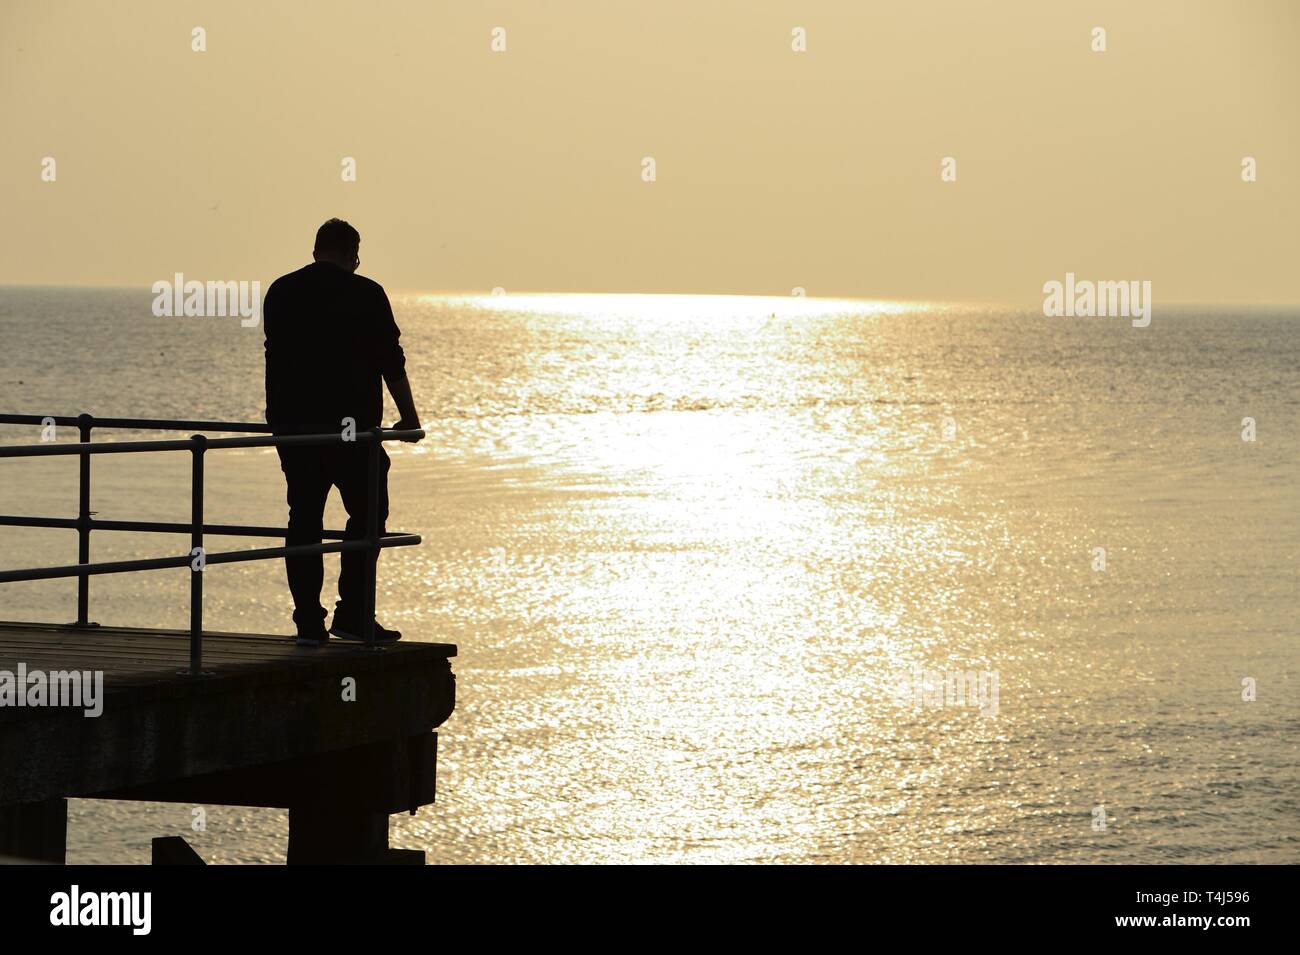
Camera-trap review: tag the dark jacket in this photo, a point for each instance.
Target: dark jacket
(330, 339)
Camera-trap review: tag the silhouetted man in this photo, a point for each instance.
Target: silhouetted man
(330, 342)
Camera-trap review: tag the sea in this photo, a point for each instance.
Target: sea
(746, 579)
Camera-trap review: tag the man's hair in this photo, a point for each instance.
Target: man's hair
(336, 236)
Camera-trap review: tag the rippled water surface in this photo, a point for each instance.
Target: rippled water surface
(693, 550)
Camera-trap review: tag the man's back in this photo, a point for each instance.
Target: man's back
(330, 336)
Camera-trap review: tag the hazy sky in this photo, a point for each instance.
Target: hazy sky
(523, 169)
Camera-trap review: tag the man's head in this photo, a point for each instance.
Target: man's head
(339, 244)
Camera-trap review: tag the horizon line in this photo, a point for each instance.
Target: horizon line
(521, 293)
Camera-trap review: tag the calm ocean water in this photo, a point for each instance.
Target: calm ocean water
(693, 549)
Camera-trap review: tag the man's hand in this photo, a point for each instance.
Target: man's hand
(400, 389)
(404, 425)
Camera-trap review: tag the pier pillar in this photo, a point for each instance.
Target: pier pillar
(35, 831)
(324, 834)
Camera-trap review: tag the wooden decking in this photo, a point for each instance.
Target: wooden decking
(341, 735)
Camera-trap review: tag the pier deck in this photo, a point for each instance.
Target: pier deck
(342, 736)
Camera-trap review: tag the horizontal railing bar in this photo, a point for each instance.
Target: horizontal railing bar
(71, 523)
(141, 424)
(92, 570)
(131, 447)
(307, 550)
(163, 527)
(92, 447)
(220, 557)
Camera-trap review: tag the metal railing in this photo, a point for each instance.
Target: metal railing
(197, 444)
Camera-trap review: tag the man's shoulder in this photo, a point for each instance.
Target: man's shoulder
(368, 286)
(315, 282)
(289, 279)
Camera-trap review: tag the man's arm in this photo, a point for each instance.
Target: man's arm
(274, 384)
(392, 363)
(400, 389)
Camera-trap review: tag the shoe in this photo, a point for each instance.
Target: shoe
(312, 636)
(350, 631)
(311, 627)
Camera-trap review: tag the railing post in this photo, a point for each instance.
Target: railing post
(84, 423)
(197, 562)
(372, 536)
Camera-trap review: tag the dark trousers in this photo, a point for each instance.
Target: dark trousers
(310, 473)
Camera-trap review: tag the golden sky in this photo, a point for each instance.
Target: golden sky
(523, 169)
